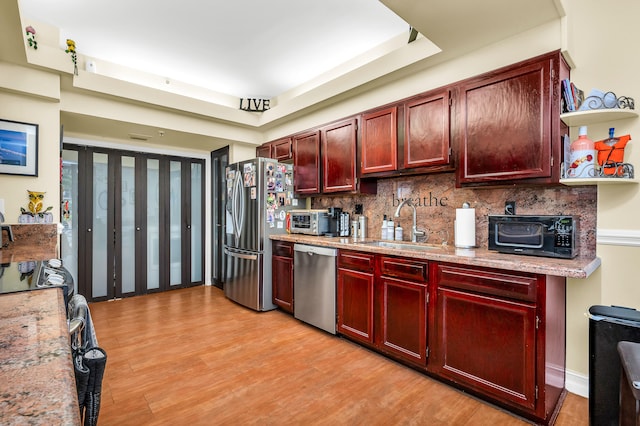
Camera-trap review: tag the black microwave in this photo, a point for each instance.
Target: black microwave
(548, 236)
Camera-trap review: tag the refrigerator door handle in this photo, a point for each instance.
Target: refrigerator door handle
(240, 211)
(241, 255)
(237, 195)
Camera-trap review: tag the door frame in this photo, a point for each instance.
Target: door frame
(219, 163)
(85, 236)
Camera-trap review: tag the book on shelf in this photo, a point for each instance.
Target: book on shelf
(578, 96)
(568, 98)
(572, 96)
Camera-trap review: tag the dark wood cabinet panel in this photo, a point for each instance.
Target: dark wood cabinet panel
(264, 150)
(282, 282)
(487, 344)
(282, 275)
(379, 141)
(339, 156)
(382, 311)
(281, 149)
(495, 282)
(404, 268)
(427, 130)
(306, 163)
(403, 319)
(508, 126)
(355, 304)
(501, 335)
(356, 260)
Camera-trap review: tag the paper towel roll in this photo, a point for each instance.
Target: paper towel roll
(465, 228)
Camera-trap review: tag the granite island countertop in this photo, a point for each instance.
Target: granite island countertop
(31, 242)
(36, 372)
(578, 267)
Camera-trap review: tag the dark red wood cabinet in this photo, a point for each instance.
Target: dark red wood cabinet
(508, 126)
(339, 156)
(427, 130)
(379, 150)
(282, 149)
(401, 293)
(264, 150)
(354, 294)
(382, 303)
(501, 335)
(282, 275)
(306, 163)
(324, 160)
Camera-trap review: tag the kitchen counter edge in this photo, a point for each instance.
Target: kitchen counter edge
(579, 267)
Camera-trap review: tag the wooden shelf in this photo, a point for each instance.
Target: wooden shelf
(585, 118)
(597, 181)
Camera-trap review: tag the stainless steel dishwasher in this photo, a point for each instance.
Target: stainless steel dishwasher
(314, 286)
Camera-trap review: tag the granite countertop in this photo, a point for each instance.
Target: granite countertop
(579, 267)
(36, 370)
(31, 242)
(22, 253)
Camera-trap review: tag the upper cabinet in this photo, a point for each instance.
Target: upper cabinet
(499, 128)
(508, 124)
(324, 160)
(427, 130)
(264, 150)
(379, 141)
(410, 137)
(280, 149)
(306, 163)
(339, 156)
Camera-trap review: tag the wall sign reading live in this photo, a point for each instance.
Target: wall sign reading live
(430, 201)
(254, 105)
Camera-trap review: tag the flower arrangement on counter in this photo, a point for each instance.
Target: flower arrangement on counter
(31, 37)
(71, 48)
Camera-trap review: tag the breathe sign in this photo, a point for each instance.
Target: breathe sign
(254, 105)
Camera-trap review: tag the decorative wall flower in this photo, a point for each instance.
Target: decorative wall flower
(31, 37)
(71, 48)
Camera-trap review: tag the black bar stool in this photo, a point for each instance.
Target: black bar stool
(629, 383)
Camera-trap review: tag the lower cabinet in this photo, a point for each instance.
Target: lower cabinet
(500, 334)
(495, 333)
(401, 292)
(354, 293)
(282, 275)
(382, 302)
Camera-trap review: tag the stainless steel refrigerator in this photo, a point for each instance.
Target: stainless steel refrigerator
(259, 194)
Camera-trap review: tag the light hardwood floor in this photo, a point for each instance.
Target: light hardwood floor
(192, 357)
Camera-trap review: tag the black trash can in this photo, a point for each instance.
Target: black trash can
(608, 325)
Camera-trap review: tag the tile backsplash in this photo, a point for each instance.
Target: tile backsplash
(436, 199)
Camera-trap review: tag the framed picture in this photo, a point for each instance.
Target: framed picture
(18, 148)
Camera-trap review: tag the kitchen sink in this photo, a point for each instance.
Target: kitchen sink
(399, 245)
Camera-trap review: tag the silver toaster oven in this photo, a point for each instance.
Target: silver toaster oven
(310, 222)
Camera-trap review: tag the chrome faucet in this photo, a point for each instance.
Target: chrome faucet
(415, 232)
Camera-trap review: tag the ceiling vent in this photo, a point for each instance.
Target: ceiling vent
(139, 136)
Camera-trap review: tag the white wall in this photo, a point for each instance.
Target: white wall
(602, 42)
(32, 100)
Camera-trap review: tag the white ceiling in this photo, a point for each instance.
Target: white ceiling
(243, 48)
(269, 48)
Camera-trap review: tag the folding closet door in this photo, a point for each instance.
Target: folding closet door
(140, 221)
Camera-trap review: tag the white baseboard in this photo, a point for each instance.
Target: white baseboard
(577, 383)
(618, 237)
